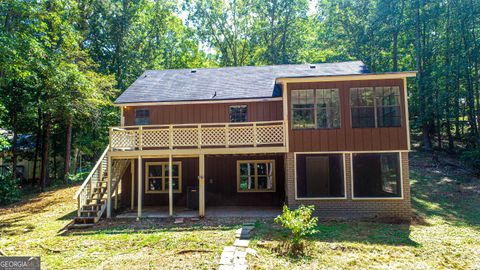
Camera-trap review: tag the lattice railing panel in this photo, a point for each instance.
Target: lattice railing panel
(241, 135)
(199, 135)
(185, 137)
(155, 138)
(213, 136)
(270, 135)
(124, 139)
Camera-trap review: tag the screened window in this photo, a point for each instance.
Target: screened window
(316, 108)
(142, 117)
(158, 179)
(238, 113)
(388, 106)
(375, 107)
(320, 176)
(256, 176)
(376, 175)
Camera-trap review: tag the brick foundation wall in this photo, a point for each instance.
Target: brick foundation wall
(349, 208)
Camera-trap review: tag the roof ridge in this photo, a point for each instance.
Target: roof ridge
(248, 66)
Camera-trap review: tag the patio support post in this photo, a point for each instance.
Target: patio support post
(170, 186)
(109, 187)
(140, 191)
(132, 172)
(201, 185)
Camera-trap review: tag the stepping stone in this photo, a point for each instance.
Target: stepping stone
(239, 261)
(226, 267)
(229, 249)
(240, 254)
(241, 243)
(248, 228)
(226, 261)
(179, 221)
(240, 267)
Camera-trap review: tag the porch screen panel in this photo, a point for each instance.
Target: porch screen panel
(376, 175)
(320, 176)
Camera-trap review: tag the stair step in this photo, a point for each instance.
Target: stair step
(85, 220)
(78, 225)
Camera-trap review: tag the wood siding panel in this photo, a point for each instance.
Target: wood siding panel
(205, 113)
(347, 138)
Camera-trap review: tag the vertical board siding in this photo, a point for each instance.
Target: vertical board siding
(205, 113)
(220, 183)
(347, 138)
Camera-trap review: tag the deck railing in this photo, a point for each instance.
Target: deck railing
(246, 134)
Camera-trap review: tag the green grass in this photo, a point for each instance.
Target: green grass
(444, 234)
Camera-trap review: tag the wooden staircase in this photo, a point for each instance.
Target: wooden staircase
(93, 194)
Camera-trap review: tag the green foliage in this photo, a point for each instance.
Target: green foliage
(472, 158)
(300, 223)
(9, 189)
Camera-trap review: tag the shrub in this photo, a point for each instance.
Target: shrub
(472, 158)
(9, 189)
(300, 223)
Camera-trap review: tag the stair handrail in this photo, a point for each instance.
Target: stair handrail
(90, 175)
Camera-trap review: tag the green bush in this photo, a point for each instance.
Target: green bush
(9, 189)
(300, 223)
(472, 158)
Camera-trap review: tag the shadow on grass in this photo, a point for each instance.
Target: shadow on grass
(157, 225)
(441, 189)
(344, 232)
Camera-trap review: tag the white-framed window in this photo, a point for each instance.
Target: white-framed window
(376, 175)
(256, 176)
(375, 107)
(238, 113)
(316, 108)
(157, 177)
(142, 117)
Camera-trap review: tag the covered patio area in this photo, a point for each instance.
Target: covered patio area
(213, 211)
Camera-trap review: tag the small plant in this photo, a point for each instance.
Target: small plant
(300, 223)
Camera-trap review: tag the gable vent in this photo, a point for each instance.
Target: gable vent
(193, 71)
(313, 66)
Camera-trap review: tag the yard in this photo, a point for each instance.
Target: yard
(445, 233)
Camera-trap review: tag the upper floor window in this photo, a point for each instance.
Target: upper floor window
(316, 108)
(375, 107)
(238, 113)
(142, 117)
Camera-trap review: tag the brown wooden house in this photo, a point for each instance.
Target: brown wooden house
(332, 135)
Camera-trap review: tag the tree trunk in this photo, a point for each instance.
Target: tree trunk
(46, 138)
(37, 144)
(427, 145)
(68, 146)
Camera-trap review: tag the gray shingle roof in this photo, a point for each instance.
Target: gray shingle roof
(226, 83)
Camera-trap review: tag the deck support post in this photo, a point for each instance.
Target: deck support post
(109, 187)
(201, 185)
(170, 185)
(116, 195)
(132, 172)
(140, 191)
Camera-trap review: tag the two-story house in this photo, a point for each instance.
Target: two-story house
(332, 135)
